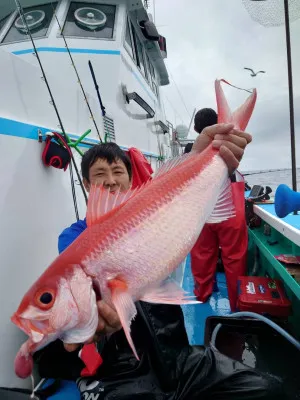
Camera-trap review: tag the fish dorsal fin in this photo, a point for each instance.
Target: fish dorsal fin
(102, 201)
(170, 164)
(224, 208)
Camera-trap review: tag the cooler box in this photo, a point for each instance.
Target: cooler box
(263, 296)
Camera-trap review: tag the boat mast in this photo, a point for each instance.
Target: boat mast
(290, 82)
(291, 96)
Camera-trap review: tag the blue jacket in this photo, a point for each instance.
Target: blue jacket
(68, 236)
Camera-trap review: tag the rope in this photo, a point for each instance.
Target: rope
(181, 96)
(34, 389)
(75, 69)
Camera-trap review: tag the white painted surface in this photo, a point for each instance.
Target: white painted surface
(35, 206)
(36, 202)
(281, 226)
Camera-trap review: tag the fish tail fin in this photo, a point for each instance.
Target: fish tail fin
(241, 116)
(125, 307)
(224, 112)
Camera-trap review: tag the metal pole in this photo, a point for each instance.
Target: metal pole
(291, 97)
(192, 119)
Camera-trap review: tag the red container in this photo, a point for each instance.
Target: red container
(263, 296)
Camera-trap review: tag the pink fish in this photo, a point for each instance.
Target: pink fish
(133, 241)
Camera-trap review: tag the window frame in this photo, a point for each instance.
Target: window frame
(90, 2)
(140, 56)
(9, 23)
(147, 62)
(130, 50)
(6, 26)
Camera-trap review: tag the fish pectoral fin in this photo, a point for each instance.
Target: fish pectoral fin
(224, 208)
(125, 307)
(168, 292)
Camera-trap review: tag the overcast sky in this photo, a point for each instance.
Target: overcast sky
(209, 39)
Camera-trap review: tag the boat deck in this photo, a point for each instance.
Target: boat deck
(195, 315)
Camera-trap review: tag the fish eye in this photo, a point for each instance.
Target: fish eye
(46, 298)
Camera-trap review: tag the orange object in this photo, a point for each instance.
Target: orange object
(141, 168)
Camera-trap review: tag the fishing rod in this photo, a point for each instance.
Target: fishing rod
(97, 89)
(21, 12)
(75, 69)
(264, 172)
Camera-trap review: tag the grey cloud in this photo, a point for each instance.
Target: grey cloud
(217, 39)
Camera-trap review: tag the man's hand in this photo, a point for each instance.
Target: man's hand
(230, 141)
(108, 322)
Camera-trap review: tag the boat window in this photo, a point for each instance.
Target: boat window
(128, 40)
(148, 63)
(140, 53)
(137, 51)
(153, 79)
(3, 21)
(90, 20)
(38, 19)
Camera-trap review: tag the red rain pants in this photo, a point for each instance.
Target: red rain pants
(232, 237)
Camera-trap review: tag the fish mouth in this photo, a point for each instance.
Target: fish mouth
(34, 329)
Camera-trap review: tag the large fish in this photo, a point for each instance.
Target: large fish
(133, 241)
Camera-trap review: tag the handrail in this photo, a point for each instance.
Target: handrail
(139, 100)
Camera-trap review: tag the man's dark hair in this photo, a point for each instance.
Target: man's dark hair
(109, 152)
(203, 118)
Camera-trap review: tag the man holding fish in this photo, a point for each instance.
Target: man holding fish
(111, 271)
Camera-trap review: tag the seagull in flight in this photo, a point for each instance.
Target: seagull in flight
(255, 73)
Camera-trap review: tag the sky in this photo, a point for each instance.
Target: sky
(209, 39)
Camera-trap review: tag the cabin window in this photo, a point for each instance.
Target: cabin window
(137, 51)
(151, 73)
(128, 40)
(153, 79)
(90, 20)
(140, 55)
(38, 19)
(3, 21)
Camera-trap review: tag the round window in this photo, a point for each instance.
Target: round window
(90, 18)
(33, 19)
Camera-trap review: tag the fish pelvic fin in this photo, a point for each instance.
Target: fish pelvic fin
(224, 208)
(125, 308)
(241, 116)
(169, 292)
(102, 201)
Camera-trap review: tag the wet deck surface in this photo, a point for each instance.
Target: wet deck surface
(195, 315)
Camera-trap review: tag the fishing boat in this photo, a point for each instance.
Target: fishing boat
(91, 71)
(52, 55)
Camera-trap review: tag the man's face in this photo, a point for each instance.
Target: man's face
(111, 176)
